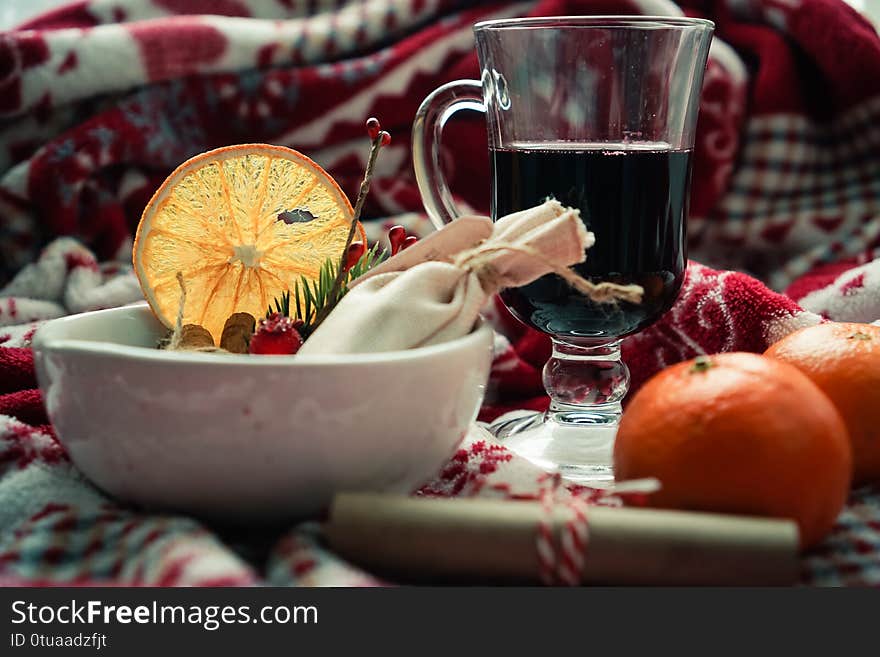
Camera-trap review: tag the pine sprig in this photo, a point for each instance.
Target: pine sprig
(310, 297)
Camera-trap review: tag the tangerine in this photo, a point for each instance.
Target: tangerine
(738, 433)
(843, 359)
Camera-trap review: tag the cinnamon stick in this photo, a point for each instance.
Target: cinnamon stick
(237, 332)
(193, 336)
(419, 538)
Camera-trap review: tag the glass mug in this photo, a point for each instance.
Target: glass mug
(600, 113)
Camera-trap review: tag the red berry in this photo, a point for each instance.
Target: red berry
(355, 252)
(385, 138)
(408, 242)
(396, 235)
(277, 335)
(373, 128)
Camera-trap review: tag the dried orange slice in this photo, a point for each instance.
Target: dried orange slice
(242, 224)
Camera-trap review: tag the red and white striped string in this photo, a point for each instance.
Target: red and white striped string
(562, 561)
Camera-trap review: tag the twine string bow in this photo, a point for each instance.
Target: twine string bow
(479, 261)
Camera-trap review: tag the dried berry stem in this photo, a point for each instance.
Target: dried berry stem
(376, 145)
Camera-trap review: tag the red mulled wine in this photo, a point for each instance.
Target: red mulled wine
(633, 197)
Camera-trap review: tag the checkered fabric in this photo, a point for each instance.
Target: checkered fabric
(804, 193)
(849, 556)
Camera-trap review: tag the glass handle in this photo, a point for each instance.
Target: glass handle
(433, 114)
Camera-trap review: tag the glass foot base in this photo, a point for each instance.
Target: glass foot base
(577, 444)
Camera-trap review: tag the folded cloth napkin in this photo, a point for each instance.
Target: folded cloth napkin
(786, 172)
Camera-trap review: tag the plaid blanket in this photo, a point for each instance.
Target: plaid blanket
(786, 188)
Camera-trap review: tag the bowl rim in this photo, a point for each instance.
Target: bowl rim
(45, 341)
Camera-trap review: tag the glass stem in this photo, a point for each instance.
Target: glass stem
(586, 384)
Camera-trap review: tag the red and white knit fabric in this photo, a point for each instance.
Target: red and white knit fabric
(99, 101)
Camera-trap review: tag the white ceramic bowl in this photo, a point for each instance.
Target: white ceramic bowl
(243, 438)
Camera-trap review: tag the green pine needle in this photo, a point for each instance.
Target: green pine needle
(281, 306)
